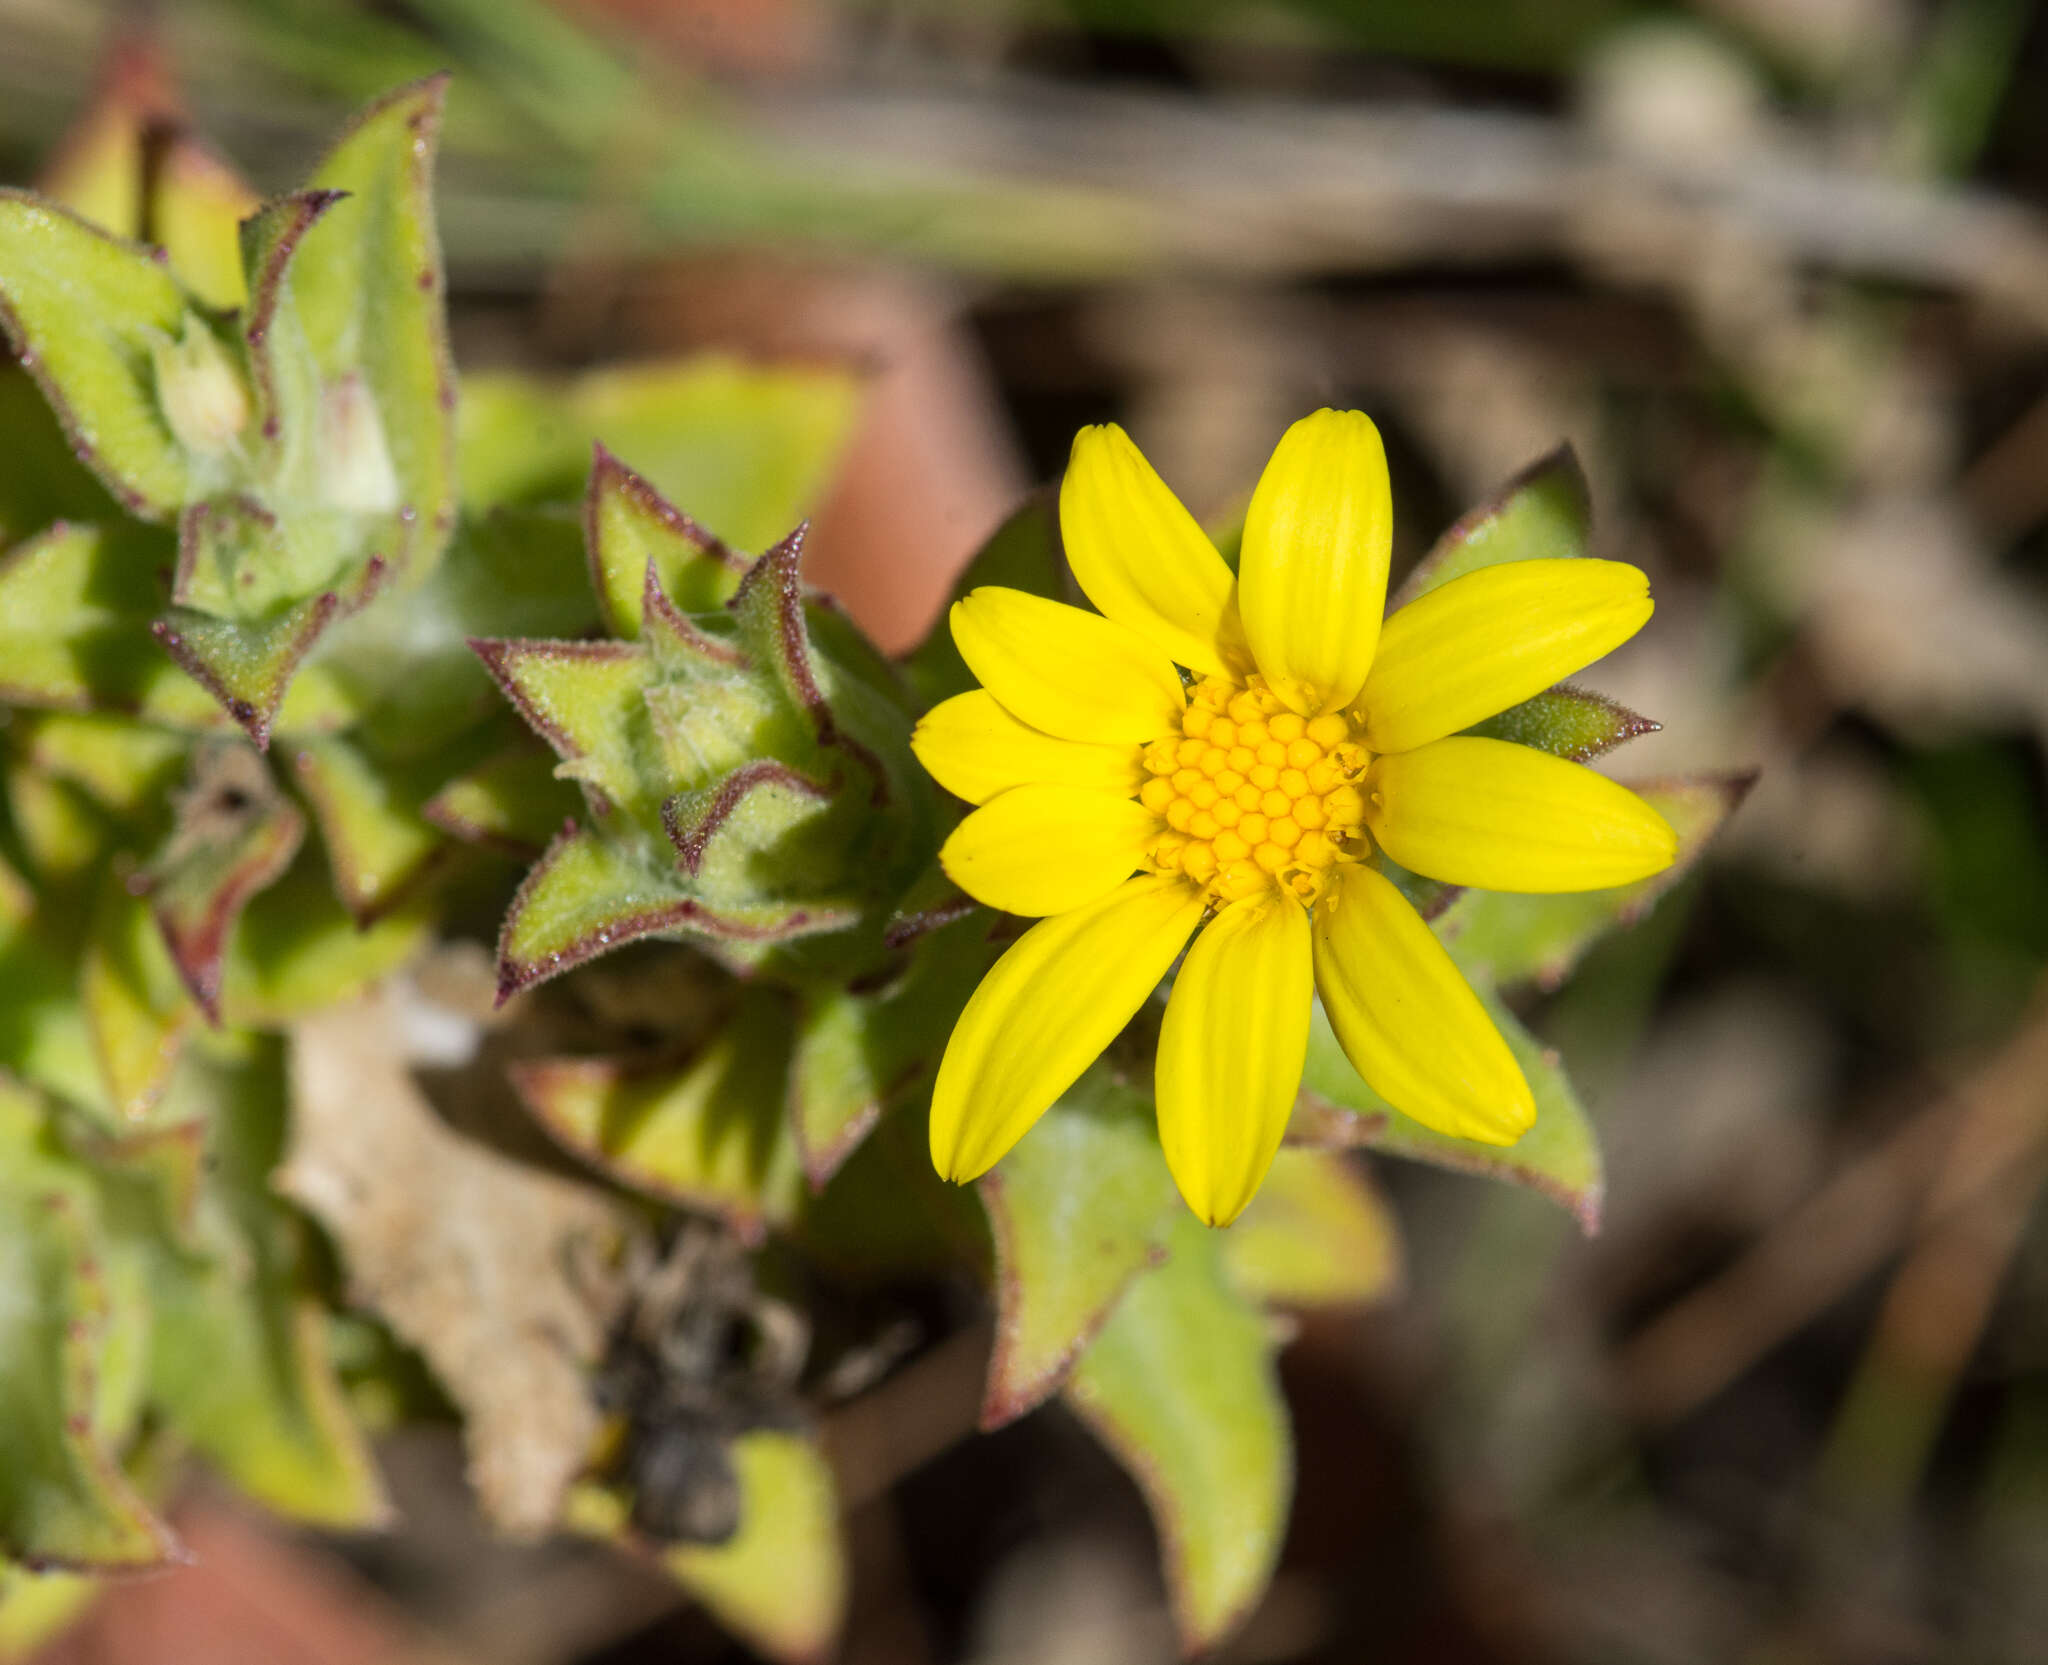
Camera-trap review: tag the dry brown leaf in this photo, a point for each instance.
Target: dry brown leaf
(499, 1275)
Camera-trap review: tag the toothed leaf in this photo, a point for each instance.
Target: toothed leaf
(296, 950)
(1558, 1157)
(1507, 939)
(636, 538)
(1543, 512)
(1180, 1386)
(1078, 1209)
(1567, 722)
(246, 666)
(377, 841)
(512, 800)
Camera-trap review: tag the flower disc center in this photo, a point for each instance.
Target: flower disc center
(1253, 794)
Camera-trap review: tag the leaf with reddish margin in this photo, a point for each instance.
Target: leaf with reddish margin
(1504, 939)
(711, 1135)
(861, 1048)
(587, 701)
(1567, 722)
(638, 540)
(1559, 1156)
(763, 819)
(247, 667)
(1180, 1386)
(295, 951)
(136, 1009)
(1078, 1209)
(85, 310)
(513, 801)
(378, 843)
(372, 299)
(1318, 1234)
(1543, 512)
(234, 834)
(285, 379)
(586, 896)
(71, 1339)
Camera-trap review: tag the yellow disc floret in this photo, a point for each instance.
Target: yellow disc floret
(1252, 794)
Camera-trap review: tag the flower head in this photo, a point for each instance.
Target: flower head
(1232, 754)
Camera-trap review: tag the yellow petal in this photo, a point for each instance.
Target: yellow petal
(1072, 673)
(1138, 554)
(1489, 640)
(1045, 849)
(974, 748)
(1312, 576)
(1045, 1011)
(1230, 1052)
(1507, 817)
(1408, 1020)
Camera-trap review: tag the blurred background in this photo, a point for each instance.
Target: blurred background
(1778, 270)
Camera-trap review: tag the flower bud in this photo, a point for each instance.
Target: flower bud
(200, 389)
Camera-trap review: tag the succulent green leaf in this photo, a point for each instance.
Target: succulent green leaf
(43, 482)
(1317, 1234)
(238, 1360)
(886, 1215)
(1180, 1386)
(296, 950)
(69, 1333)
(1078, 1209)
(637, 539)
(44, 1037)
(586, 895)
(1543, 512)
(586, 700)
(124, 766)
(1559, 1156)
(378, 843)
(764, 819)
(713, 1134)
(246, 666)
(234, 835)
(1021, 554)
(861, 1048)
(36, 1608)
(1507, 939)
(61, 833)
(1567, 722)
(136, 1007)
(748, 449)
(76, 603)
(780, 1582)
(371, 299)
(512, 801)
(86, 312)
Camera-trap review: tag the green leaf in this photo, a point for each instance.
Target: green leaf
(1317, 1234)
(861, 1049)
(246, 666)
(1021, 554)
(746, 450)
(780, 1582)
(712, 1135)
(587, 700)
(296, 950)
(127, 767)
(235, 834)
(1543, 512)
(1559, 1156)
(371, 299)
(138, 1010)
(1567, 722)
(68, 1330)
(630, 527)
(42, 482)
(1180, 1386)
(238, 1360)
(36, 1608)
(1078, 1209)
(513, 800)
(85, 311)
(378, 843)
(1503, 939)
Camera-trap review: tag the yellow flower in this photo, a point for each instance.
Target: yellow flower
(1248, 794)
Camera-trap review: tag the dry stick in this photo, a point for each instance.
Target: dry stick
(1926, 1181)
(924, 1409)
